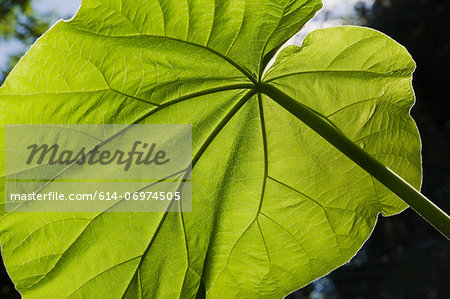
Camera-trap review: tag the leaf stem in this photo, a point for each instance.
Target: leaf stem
(422, 205)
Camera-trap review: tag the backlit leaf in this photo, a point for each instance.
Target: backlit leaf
(275, 206)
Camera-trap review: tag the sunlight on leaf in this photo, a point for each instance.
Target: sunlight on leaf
(275, 206)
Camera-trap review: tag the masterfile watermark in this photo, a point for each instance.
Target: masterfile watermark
(96, 168)
(147, 156)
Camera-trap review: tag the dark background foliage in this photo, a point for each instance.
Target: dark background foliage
(405, 257)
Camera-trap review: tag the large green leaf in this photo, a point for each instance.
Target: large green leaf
(274, 204)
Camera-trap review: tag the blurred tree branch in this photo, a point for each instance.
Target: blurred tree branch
(19, 21)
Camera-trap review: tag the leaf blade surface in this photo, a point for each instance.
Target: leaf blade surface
(274, 205)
